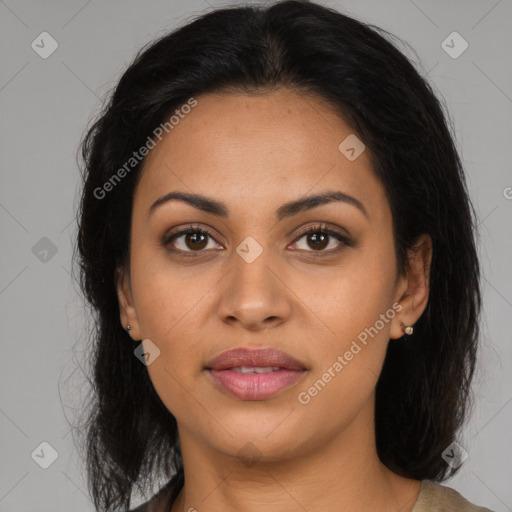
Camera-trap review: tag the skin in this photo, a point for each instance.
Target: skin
(254, 153)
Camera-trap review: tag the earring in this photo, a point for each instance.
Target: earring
(128, 328)
(408, 329)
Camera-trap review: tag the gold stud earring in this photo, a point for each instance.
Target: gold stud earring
(407, 329)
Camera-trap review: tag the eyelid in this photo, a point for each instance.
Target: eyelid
(323, 227)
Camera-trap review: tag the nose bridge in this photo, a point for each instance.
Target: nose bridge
(252, 293)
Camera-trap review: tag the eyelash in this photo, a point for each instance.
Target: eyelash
(319, 229)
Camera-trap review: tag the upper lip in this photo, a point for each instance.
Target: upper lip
(262, 357)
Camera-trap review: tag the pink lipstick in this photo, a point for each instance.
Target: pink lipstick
(255, 374)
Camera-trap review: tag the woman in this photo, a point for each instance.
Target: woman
(276, 237)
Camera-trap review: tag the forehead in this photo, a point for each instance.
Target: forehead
(262, 148)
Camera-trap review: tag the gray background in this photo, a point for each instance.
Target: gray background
(45, 106)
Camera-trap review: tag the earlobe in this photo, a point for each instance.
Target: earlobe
(414, 289)
(128, 315)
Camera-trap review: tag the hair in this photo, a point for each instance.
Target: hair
(423, 393)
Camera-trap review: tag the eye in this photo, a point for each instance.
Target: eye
(194, 239)
(319, 237)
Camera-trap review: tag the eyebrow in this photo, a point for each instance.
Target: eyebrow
(214, 207)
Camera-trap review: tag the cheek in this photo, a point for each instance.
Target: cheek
(170, 313)
(350, 297)
(166, 293)
(347, 364)
(354, 303)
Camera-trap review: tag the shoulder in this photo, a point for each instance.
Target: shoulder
(434, 497)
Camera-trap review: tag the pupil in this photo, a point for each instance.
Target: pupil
(322, 237)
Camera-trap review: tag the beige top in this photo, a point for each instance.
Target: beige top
(433, 497)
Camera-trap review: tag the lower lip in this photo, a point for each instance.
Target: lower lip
(255, 386)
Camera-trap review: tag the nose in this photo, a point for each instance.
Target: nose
(253, 295)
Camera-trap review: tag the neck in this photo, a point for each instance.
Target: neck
(337, 473)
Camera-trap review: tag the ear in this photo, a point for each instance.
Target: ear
(126, 306)
(413, 288)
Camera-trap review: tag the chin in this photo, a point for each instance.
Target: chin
(250, 450)
(260, 436)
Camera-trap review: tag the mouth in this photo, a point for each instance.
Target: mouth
(254, 374)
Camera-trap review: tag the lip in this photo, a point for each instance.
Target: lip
(254, 357)
(255, 386)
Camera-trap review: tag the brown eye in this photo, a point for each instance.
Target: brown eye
(192, 239)
(318, 240)
(320, 237)
(195, 240)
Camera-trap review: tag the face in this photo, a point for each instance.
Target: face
(244, 274)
